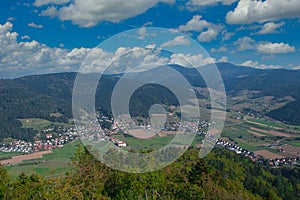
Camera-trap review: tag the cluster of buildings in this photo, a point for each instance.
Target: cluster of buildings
(251, 155)
(53, 138)
(49, 141)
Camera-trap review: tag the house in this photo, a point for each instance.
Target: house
(48, 136)
(121, 144)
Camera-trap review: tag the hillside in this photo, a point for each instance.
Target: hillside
(221, 175)
(289, 113)
(39, 96)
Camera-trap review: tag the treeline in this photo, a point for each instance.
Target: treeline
(290, 113)
(221, 175)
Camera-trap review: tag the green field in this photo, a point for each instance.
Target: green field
(50, 165)
(39, 124)
(277, 124)
(153, 143)
(5, 156)
(238, 132)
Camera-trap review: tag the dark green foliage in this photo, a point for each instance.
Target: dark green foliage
(290, 113)
(4, 180)
(221, 175)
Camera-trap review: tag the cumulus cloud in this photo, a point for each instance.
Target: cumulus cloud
(221, 49)
(18, 58)
(208, 31)
(34, 25)
(26, 57)
(208, 35)
(270, 27)
(227, 35)
(39, 3)
(179, 40)
(275, 48)
(257, 65)
(89, 13)
(245, 43)
(223, 59)
(196, 24)
(196, 4)
(249, 11)
(189, 60)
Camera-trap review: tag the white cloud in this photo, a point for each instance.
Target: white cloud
(208, 31)
(179, 40)
(209, 35)
(296, 67)
(148, 24)
(275, 48)
(227, 35)
(25, 37)
(33, 25)
(195, 24)
(265, 47)
(11, 19)
(136, 59)
(50, 11)
(257, 65)
(223, 59)
(188, 60)
(221, 49)
(20, 58)
(151, 46)
(268, 57)
(245, 43)
(249, 11)
(270, 27)
(32, 57)
(142, 33)
(89, 13)
(196, 4)
(39, 3)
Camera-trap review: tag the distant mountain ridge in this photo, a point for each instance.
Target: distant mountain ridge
(41, 95)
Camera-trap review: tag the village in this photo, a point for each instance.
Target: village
(48, 141)
(201, 127)
(108, 128)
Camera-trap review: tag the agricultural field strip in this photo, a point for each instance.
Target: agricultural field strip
(21, 158)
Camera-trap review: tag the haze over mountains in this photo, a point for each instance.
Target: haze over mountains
(39, 96)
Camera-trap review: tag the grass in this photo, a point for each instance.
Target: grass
(275, 124)
(268, 123)
(293, 143)
(154, 143)
(50, 165)
(38, 124)
(238, 132)
(8, 155)
(249, 146)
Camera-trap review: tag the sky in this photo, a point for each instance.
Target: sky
(47, 36)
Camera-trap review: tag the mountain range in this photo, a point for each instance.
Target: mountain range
(39, 96)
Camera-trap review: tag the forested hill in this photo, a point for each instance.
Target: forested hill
(221, 175)
(39, 96)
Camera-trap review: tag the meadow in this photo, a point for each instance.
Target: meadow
(56, 163)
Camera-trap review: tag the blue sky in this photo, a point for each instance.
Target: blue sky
(45, 36)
